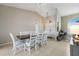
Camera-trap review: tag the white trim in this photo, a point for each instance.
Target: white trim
(3, 44)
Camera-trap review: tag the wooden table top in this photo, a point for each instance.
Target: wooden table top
(27, 36)
(23, 37)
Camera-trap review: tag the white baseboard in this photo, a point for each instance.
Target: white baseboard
(3, 44)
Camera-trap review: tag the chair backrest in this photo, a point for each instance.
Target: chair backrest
(40, 36)
(45, 36)
(23, 33)
(33, 36)
(12, 38)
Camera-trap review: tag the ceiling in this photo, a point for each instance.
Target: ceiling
(63, 8)
(28, 6)
(66, 8)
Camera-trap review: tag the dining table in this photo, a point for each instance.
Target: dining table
(23, 37)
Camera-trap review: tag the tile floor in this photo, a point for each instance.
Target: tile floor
(53, 48)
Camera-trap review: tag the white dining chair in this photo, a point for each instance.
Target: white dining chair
(31, 42)
(45, 38)
(39, 40)
(19, 44)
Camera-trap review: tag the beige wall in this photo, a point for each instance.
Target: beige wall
(16, 20)
(65, 19)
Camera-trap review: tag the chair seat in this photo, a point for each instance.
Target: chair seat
(30, 43)
(19, 43)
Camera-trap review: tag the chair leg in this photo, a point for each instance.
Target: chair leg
(29, 49)
(46, 42)
(41, 43)
(35, 47)
(13, 51)
(24, 47)
(10, 51)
